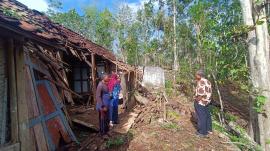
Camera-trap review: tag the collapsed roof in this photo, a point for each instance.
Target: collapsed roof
(34, 25)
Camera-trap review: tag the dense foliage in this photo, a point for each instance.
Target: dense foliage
(198, 34)
(208, 34)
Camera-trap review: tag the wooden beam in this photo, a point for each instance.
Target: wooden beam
(12, 147)
(25, 138)
(63, 87)
(83, 123)
(4, 114)
(3, 93)
(107, 70)
(93, 61)
(12, 92)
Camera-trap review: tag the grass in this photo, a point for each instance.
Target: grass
(173, 114)
(230, 117)
(171, 126)
(169, 87)
(130, 134)
(114, 142)
(241, 141)
(268, 141)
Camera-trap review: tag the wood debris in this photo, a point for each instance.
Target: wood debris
(83, 123)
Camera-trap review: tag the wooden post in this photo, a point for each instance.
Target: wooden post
(107, 67)
(3, 94)
(12, 92)
(136, 77)
(93, 62)
(25, 137)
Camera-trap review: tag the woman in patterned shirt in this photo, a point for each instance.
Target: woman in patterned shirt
(203, 94)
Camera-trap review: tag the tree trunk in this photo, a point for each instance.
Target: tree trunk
(259, 72)
(175, 63)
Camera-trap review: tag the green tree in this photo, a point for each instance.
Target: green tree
(104, 29)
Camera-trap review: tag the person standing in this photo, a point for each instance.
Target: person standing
(115, 101)
(113, 79)
(203, 94)
(103, 102)
(114, 89)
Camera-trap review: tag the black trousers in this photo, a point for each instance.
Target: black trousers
(204, 118)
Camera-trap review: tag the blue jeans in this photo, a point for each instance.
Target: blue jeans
(204, 118)
(114, 110)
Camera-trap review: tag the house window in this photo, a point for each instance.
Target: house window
(100, 70)
(81, 79)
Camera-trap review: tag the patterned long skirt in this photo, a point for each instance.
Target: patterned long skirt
(103, 122)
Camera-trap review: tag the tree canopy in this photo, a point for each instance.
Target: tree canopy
(209, 35)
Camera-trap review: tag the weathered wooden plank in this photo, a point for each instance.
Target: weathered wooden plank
(59, 109)
(40, 138)
(67, 94)
(3, 87)
(125, 123)
(57, 131)
(57, 125)
(93, 61)
(25, 138)
(11, 147)
(56, 83)
(37, 98)
(30, 94)
(47, 104)
(83, 123)
(141, 99)
(4, 115)
(60, 101)
(12, 92)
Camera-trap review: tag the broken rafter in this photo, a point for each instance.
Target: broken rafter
(57, 75)
(50, 56)
(120, 65)
(48, 60)
(57, 84)
(93, 72)
(85, 59)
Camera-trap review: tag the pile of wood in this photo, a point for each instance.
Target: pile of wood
(147, 93)
(146, 115)
(154, 105)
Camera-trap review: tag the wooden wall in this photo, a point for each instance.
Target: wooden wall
(128, 86)
(23, 115)
(3, 93)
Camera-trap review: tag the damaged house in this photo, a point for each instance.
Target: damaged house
(43, 68)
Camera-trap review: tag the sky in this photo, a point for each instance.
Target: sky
(42, 5)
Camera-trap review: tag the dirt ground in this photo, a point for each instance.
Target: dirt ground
(150, 133)
(156, 137)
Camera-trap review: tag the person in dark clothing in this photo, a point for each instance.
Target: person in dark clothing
(102, 106)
